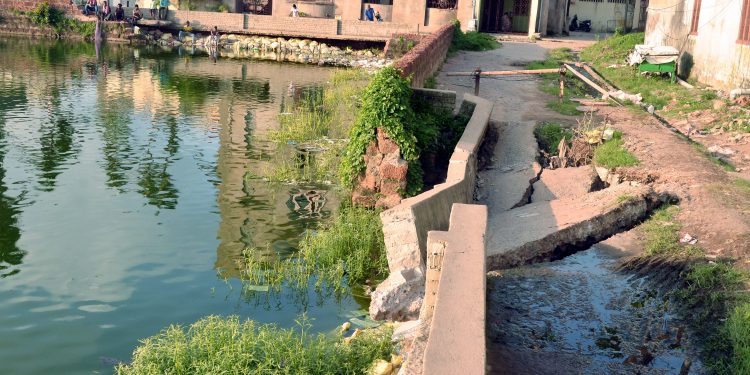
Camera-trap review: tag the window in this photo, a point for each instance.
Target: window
(744, 36)
(591, 1)
(696, 16)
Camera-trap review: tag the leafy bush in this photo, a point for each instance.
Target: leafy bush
(386, 104)
(46, 15)
(472, 40)
(216, 345)
(549, 135)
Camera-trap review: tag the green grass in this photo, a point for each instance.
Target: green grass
(471, 41)
(430, 82)
(566, 107)
(625, 198)
(738, 328)
(347, 251)
(216, 345)
(612, 154)
(555, 57)
(658, 91)
(549, 135)
(715, 292)
(661, 234)
(550, 83)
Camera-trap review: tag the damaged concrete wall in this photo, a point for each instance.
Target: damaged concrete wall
(405, 226)
(457, 289)
(713, 54)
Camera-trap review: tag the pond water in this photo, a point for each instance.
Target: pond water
(127, 195)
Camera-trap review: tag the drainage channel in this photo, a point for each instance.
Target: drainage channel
(579, 315)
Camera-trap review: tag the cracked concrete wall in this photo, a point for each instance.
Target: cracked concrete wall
(405, 226)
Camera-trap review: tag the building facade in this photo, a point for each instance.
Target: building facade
(713, 37)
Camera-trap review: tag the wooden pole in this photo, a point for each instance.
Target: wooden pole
(597, 77)
(562, 84)
(477, 76)
(583, 78)
(505, 72)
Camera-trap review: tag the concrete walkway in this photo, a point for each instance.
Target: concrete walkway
(519, 105)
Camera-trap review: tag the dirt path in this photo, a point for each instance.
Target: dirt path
(714, 208)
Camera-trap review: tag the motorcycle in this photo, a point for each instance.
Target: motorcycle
(584, 25)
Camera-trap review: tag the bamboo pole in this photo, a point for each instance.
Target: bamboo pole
(505, 72)
(583, 78)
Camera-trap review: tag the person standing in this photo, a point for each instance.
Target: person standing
(151, 5)
(295, 11)
(369, 13)
(163, 9)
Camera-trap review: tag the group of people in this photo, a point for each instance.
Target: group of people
(105, 12)
(372, 15)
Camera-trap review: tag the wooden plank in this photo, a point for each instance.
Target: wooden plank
(597, 77)
(583, 78)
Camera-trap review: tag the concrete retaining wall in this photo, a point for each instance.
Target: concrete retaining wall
(406, 226)
(426, 57)
(455, 295)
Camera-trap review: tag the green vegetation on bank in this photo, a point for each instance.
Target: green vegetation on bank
(417, 129)
(216, 345)
(49, 16)
(347, 251)
(549, 135)
(738, 328)
(471, 41)
(661, 232)
(715, 293)
(612, 154)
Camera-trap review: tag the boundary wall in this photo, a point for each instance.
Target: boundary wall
(422, 61)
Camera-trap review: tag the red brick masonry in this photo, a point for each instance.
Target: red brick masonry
(426, 57)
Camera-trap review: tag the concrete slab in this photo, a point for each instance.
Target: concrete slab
(565, 182)
(550, 230)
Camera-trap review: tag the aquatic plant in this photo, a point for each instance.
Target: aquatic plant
(216, 345)
(347, 251)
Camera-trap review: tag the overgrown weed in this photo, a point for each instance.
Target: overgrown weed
(215, 345)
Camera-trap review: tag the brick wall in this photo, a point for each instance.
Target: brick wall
(427, 56)
(376, 29)
(26, 6)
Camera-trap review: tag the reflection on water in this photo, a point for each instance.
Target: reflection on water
(129, 189)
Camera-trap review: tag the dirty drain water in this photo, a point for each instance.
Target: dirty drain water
(578, 316)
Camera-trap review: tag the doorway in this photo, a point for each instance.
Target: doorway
(493, 11)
